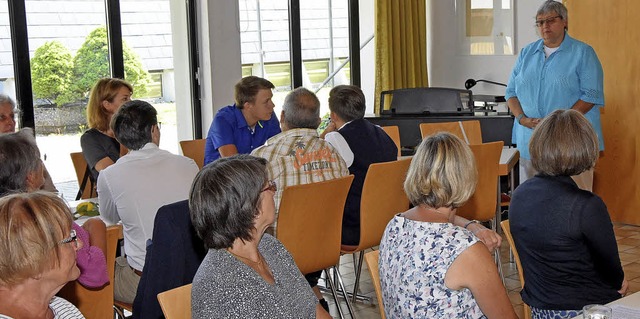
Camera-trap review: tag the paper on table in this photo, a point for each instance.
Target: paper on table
(625, 312)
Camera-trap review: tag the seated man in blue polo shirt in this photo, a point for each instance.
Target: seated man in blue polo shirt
(246, 125)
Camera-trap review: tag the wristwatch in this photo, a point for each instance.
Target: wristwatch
(519, 117)
(471, 222)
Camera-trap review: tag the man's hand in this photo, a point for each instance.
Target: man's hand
(331, 127)
(624, 288)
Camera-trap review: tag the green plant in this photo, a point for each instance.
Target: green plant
(91, 63)
(51, 70)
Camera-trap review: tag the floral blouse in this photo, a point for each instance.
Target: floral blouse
(414, 259)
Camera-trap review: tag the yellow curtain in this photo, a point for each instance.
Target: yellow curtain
(401, 45)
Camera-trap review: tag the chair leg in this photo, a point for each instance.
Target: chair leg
(499, 264)
(333, 291)
(358, 271)
(344, 293)
(118, 313)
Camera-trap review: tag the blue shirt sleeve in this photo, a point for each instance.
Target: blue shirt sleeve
(511, 85)
(591, 78)
(220, 133)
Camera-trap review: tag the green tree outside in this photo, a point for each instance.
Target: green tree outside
(51, 70)
(91, 63)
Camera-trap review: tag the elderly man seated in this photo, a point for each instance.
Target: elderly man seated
(132, 189)
(298, 156)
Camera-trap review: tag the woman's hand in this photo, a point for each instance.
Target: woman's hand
(488, 237)
(530, 122)
(624, 288)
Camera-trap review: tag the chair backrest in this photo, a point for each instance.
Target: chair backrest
(310, 222)
(176, 303)
(371, 258)
(468, 131)
(394, 133)
(482, 204)
(194, 149)
(506, 228)
(428, 100)
(383, 197)
(96, 303)
(81, 167)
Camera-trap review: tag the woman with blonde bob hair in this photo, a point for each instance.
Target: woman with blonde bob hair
(564, 234)
(38, 249)
(431, 263)
(99, 146)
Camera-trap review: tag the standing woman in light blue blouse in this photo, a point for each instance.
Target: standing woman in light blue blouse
(429, 267)
(246, 273)
(553, 73)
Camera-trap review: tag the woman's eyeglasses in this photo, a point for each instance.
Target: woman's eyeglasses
(549, 21)
(72, 238)
(271, 187)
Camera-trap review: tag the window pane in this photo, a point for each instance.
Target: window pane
(67, 57)
(147, 43)
(324, 31)
(264, 36)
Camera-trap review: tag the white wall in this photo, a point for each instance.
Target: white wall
(447, 67)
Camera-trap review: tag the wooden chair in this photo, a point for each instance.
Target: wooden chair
(506, 228)
(468, 131)
(310, 227)
(176, 303)
(194, 149)
(371, 258)
(483, 203)
(383, 197)
(82, 169)
(394, 133)
(96, 303)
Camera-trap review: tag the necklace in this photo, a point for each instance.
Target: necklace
(257, 263)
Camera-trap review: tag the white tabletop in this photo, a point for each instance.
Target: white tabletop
(630, 301)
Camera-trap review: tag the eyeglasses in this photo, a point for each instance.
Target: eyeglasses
(548, 21)
(72, 238)
(271, 187)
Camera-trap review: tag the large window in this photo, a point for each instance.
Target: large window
(69, 45)
(323, 26)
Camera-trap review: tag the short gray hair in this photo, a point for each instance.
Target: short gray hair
(19, 156)
(554, 6)
(5, 99)
(301, 109)
(225, 198)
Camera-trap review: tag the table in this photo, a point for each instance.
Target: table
(631, 301)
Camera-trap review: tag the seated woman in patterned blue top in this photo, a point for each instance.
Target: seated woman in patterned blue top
(429, 267)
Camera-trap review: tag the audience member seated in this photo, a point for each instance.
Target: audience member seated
(360, 144)
(245, 125)
(99, 146)
(564, 234)
(246, 273)
(298, 156)
(8, 125)
(22, 171)
(430, 267)
(134, 188)
(173, 257)
(38, 248)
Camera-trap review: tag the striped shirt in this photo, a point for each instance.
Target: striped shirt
(62, 309)
(299, 156)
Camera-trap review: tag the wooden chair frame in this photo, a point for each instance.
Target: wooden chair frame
(194, 149)
(176, 303)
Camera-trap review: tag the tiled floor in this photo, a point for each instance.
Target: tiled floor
(628, 238)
